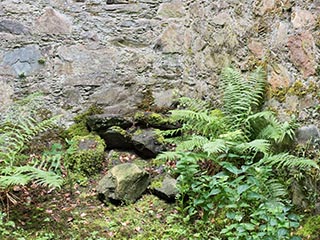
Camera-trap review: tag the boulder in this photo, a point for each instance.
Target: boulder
(165, 187)
(101, 122)
(117, 137)
(123, 183)
(147, 143)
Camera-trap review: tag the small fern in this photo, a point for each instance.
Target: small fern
(20, 124)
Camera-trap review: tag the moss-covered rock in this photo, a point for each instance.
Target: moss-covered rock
(123, 183)
(310, 230)
(101, 122)
(155, 120)
(148, 143)
(117, 137)
(165, 187)
(85, 154)
(79, 128)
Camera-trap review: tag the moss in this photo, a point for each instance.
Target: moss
(157, 182)
(159, 137)
(310, 230)
(79, 128)
(85, 154)
(318, 71)
(298, 89)
(120, 130)
(41, 61)
(152, 119)
(22, 75)
(278, 93)
(147, 101)
(93, 109)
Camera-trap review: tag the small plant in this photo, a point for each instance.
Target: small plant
(22, 75)
(228, 162)
(18, 127)
(41, 61)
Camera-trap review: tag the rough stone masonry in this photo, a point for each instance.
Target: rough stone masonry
(113, 52)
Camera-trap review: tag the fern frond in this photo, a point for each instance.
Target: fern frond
(240, 96)
(19, 125)
(14, 180)
(216, 146)
(192, 144)
(24, 174)
(207, 123)
(45, 178)
(258, 83)
(285, 160)
(275, 189)
(196, 105)
(265, 125)
(258, 145)
(233, 136)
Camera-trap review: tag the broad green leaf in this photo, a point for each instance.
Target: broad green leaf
(242, 188)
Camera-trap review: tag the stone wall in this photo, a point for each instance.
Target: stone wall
(115, 52)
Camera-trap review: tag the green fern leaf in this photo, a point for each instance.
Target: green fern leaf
(285, 160)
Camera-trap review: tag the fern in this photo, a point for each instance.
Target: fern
(193, 144)
(18, 126)
(241, 97)
(265, 125)
(257, 145)
(285, 160)
(227, 159)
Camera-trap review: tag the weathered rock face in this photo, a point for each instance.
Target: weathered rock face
(123, 183)
(80, 52)
(308, 134)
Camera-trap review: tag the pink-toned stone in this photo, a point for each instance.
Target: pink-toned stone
(53, 22)
(301, 49)
(221, 18)
(279, 77)
(266, 6)
(302, 19)
(173, 9)
(256, 48)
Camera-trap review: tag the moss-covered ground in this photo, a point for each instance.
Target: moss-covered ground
(45, 214)
(74, 212)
